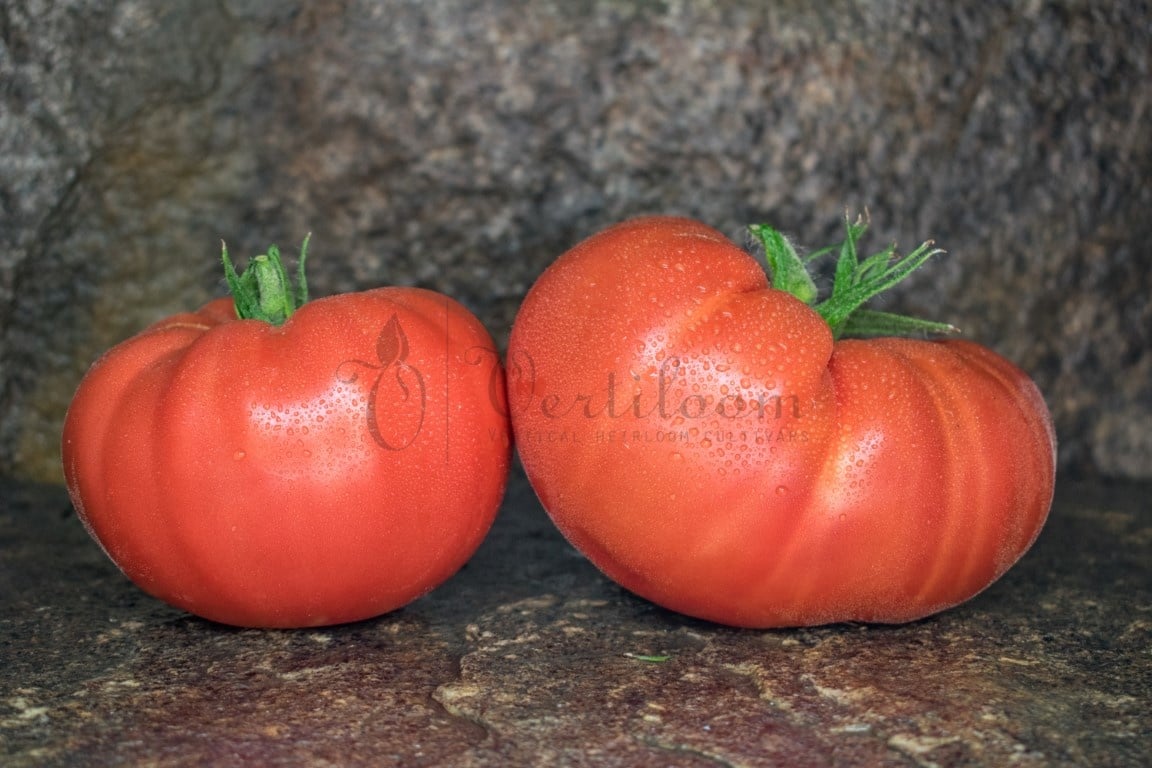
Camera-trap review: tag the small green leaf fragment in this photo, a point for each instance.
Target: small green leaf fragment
(301, 279)
(648, 658)
(240, 286)
(785, 266)
(847, 266)
(869, 322)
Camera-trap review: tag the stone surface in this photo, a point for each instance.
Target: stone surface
(464, 146)
(529, 657)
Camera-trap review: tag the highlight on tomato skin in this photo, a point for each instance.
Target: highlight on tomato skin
(719, 439)
(270, 461)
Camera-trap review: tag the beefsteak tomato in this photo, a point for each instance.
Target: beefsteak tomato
(266, 462)
(712, 443)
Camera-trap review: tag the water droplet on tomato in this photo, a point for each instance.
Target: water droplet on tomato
(239, 455)
(843, 517)
(781, 490)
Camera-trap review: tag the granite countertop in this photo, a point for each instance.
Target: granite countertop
(529, 657)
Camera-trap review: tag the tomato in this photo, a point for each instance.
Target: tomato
(326, 469)
(714, 444)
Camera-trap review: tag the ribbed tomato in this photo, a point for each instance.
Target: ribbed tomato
(709, 442)
(298, 467)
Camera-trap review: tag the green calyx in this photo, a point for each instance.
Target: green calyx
(263, 291)
(854, 284)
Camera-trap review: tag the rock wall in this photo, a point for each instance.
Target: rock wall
(462, 146)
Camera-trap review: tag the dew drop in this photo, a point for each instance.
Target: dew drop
(239, 455)
(843, 517)
(781, 490)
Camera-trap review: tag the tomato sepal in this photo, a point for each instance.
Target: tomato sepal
(854, 284)
(263, 291)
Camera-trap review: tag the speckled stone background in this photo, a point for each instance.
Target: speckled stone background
(463, 146)
(528, 657)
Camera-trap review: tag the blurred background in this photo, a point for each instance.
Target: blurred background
(462, 146)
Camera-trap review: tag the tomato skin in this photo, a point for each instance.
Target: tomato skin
(324, 471)
(701, 438)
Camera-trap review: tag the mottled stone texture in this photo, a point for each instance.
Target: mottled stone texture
(528, 657)
(462, 146)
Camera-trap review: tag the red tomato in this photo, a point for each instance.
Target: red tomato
(702, 438)
(325, 470)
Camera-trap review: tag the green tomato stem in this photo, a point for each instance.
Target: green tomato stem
(855, 282)
(263, 291)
